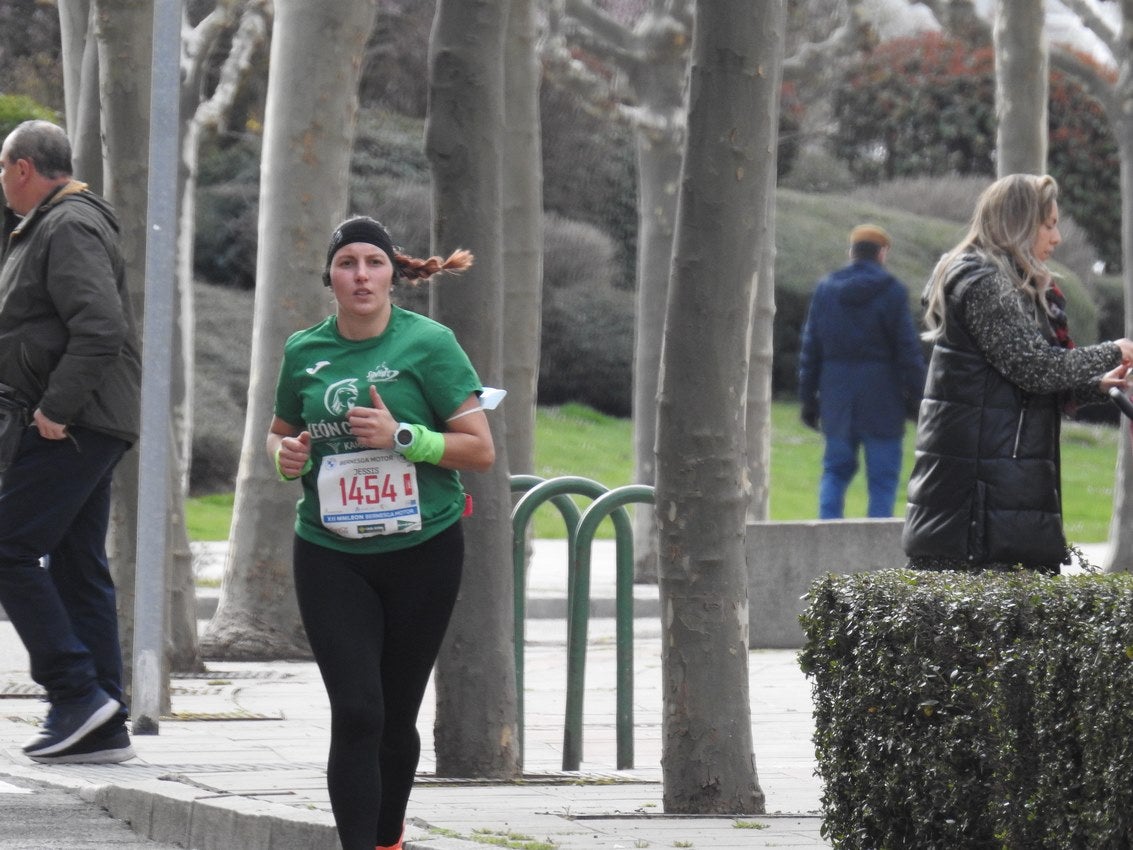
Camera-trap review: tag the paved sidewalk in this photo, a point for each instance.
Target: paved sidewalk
(240, 763)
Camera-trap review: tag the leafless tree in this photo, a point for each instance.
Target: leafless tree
(316, 56)
(476, 725)
(702, 492)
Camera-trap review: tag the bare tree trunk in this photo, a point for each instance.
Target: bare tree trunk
(475, 678)
(658, 171)
(653, 57)
(80, 90)
(702, 492)
(1120, 554)
(1117, 97)
(771, 45)
(201, 110)
(522, 180)
(183, 649)
(124, 30)
(1022, 77)
(1115, 94)
(316, 58)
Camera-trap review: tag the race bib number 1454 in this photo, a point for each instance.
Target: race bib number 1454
(364, 494)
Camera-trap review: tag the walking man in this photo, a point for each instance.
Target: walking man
(861, 371)
(69, 347)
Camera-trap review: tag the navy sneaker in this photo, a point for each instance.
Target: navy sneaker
(67, 723)
(108, 744)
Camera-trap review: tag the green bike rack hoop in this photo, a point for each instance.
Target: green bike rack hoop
(539, 491)
(609, 504)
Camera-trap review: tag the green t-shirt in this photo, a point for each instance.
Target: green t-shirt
(422, 376)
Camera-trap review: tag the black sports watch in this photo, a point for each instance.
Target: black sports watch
(402, 438)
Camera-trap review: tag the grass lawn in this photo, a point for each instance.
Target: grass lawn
(575, 440)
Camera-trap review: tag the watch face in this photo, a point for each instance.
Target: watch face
(404, 437)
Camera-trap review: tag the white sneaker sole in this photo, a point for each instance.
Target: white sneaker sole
(101, 715)
(97, 757)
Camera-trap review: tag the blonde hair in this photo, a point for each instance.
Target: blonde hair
(1002, 233)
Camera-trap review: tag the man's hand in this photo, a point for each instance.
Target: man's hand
(47, 429)
(809, 416)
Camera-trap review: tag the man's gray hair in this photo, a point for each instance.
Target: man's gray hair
(45, 144)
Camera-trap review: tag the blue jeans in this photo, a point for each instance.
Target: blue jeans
(55, 502)
(840, 463)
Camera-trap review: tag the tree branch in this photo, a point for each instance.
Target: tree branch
(811, 59)
(249, 36)
(197, 42)
(596, 22)
(1094, 22)
(960, 20)
(1089, 75)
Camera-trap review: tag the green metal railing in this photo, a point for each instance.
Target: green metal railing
(581, 527)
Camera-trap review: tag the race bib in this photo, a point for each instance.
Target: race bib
(364, 494)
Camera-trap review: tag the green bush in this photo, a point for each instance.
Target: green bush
(1109, 292)
(387, 148)
(227, 204)
(973, 710)
(15, 109)
(925, 105)
(1085, 160)
(224, 250)
(817, 170)
(30, 62)
(222, 354)
(603, 193)
(388, 158)
(587, 349)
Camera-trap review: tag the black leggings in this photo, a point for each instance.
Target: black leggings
(375, 624)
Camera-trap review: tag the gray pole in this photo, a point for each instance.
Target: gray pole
(153, 453)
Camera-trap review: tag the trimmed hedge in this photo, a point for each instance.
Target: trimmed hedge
(973, 710)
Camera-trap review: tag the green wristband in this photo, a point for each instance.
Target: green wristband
(283, 476)
(428, 446)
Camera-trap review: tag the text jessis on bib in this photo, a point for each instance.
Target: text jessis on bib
(367, 493)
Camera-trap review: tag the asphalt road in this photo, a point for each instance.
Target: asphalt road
(38, 817)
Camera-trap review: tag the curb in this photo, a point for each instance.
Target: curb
(191, 817)
(181, 815)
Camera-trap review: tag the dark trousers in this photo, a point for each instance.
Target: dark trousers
(55, 502)
(375, 623)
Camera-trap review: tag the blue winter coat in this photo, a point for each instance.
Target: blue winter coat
(861, 361)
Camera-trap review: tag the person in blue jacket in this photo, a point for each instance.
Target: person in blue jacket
(861, 372)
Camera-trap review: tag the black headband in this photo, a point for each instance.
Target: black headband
(359, 229)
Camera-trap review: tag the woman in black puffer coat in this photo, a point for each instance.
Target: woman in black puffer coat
(985, 490)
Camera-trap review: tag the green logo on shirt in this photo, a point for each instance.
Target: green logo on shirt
(341, 396)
